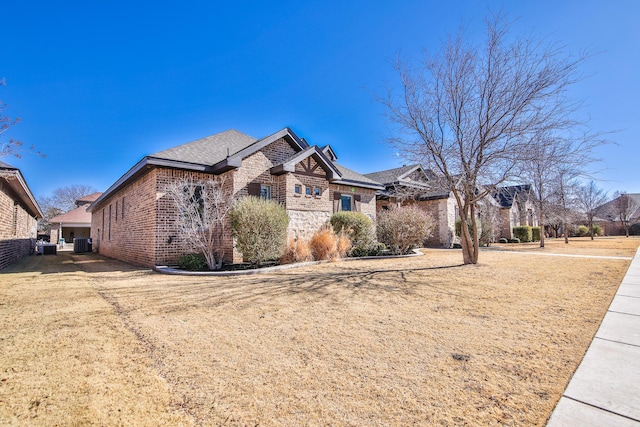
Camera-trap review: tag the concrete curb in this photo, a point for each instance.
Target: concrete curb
(163, 269)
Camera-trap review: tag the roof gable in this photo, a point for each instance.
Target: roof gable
(317, 154)
(13, 177)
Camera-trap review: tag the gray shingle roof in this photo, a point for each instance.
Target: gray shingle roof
(610, 211)
(6, 165)
(351, 175)
(391, 175)
(506, 195)
(209, 150)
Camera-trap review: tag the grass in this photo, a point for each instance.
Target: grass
(86, 340)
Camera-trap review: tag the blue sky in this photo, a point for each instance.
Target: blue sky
(99, 85)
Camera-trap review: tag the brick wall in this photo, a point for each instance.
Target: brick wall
(128, 235)
(17, 227)
(147, 234)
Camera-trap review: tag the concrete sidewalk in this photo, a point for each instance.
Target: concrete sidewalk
(605, 389)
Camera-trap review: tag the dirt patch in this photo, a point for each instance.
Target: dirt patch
(379, 342)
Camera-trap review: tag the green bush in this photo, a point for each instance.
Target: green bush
(514, 240)
(597, 230)
(403, 228)
(583, 230)
(535, 234)
(359, 228)
(503, 240)
(260, 229)
(459, 227)
(193, 262)
(634, 230)
(523, 232)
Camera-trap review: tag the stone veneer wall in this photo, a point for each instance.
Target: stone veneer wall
(17, 227)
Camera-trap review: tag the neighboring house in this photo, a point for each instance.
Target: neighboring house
(607, 215)
(19, 213)
(75, 223)
(134, 220)
(516, 208)
(413, 184)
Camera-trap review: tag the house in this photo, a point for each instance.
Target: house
(76, 222)
(608, 215)
(414, 184)
(134, 220)
(517, 208)
(19, 213)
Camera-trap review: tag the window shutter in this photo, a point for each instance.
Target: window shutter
(357, 202)
(254, 189)
(337, 202)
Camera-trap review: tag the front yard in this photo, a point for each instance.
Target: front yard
(416, 341)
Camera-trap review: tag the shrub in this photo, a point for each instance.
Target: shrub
(459, 227)
(514, 240)
(193, 262)
(327, 245)
(260, 229)
(375, 250)
(583, 230)
(535, 234)
(296, 251)
(634, 230)
(597, 230)
(358, 227)
(403, 228)
(523, 233)
(503, 240)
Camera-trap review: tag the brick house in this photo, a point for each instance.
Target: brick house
(134, 220)
(423, 187)
(19, 213)
(413, 184)
(607, 215)
(75, 223)
(516, 208)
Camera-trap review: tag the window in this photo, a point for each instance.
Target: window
(109, 222)
(116, 211)
(194, 202)
(307, 191)
(346, 202)
(122, 216)
(15, 218)
(297, 189)
(265, 191)
(317, 191)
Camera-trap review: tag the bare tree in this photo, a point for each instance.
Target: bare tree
(625, 208)
(554, 163)
(64, 198)
(202, 215)
(590, 197)
(471, 112)
(11, 147)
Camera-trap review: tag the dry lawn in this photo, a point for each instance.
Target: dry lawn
(414, 341)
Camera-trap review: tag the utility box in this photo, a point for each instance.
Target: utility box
(82, 245)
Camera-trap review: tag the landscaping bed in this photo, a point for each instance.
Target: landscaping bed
(407, 341)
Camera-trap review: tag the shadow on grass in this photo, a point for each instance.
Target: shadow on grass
(182, 293)
(68, 262)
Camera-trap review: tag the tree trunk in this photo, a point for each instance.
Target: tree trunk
(541, 224)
